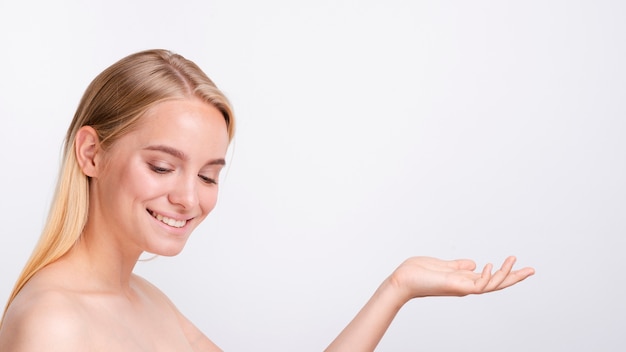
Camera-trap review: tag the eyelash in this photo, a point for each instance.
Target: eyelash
(208, 180)
(159, 170)
(163, 170)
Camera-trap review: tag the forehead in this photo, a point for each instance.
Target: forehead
(191, 125)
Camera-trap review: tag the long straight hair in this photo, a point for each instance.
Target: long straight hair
(113, 104)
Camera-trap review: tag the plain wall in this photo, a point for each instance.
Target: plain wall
(368, 132)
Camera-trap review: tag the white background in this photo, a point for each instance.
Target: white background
(368, 132)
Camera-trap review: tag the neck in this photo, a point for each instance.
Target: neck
(107, 264)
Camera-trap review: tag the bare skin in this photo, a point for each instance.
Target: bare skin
(147, 194)
(57, 312)
(421, 277)
(89, 299)
(143, 319)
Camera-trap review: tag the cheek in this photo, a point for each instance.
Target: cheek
(141, 184)
(138, 185)
(208, 199)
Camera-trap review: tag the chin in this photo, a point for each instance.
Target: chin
(167, 251)
(170, 253)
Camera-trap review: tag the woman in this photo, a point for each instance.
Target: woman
(140, 171)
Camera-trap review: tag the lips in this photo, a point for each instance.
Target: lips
(168, 221)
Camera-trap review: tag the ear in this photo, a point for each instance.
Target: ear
(87, 147)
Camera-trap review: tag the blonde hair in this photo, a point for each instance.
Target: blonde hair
(113, 104)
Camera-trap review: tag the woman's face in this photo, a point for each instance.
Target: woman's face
(158, 182)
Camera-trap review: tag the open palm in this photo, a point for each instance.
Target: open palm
(426, 276)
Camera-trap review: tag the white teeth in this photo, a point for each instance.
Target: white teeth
(168, 221)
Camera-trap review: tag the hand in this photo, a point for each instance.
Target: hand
(420, 277)
(425, 276)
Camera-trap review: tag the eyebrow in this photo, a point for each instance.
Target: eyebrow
(180, 155)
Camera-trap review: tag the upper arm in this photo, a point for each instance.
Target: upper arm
(48, 323)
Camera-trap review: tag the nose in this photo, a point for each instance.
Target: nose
(185, 194)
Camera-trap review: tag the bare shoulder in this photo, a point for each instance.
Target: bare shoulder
(153, 293)
(148, 288)
(42, 318)
(196, 338)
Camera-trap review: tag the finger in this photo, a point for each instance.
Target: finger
(484, 278)
(499, 276)
(465, 264)
(436, 264)
(515, 277)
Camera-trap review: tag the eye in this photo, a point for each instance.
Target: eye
(159, 169)
(208, 180)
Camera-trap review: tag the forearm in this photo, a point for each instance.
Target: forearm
(421, 277)
(367, 328)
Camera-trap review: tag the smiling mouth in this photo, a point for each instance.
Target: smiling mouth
(168, 221)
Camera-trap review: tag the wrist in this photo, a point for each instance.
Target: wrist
(392, 291)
